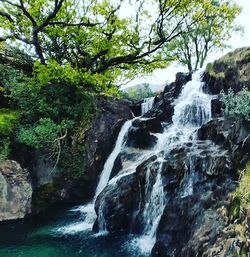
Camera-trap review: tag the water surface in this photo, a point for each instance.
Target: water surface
(41, 237)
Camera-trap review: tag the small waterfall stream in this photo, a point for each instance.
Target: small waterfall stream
(88, 210)
(147, 104)
(191, 109)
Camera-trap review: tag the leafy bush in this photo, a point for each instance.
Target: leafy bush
(8, 120)
(237, 105)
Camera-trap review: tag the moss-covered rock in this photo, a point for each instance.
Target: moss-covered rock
(230, 71)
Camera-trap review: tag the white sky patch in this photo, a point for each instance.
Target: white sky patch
(161, 76)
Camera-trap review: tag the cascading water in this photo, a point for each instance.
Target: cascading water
(191, 109)
(147, 104)
(88, 210)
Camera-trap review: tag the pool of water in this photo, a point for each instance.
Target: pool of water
(42, 236)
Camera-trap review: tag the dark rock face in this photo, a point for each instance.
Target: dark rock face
(189, 205)
(102, 136)
(230, 135)
(197, 179)
(230, 71)
(140, 137)
(117, 203)
(15, 191)
(181, 80)
(191, 225)
(163, 109)
(136, 108)
(216, 108)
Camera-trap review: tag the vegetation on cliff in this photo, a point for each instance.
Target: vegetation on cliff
(64, 53)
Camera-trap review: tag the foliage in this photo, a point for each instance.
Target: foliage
(243, 191)
(138, 92)
(237, 105)
(211, 32)
(16, 58)
(8, 120)
(50, 114)
(4, 148)
(92, 42)
(42, 135)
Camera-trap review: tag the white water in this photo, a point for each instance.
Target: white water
(108, 166)
(147, 105)
(88, 210)
(191, 110)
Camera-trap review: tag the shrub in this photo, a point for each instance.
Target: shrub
(237, 105)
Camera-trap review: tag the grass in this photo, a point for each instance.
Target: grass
(8, 120)
(211, 71)
(243, 190)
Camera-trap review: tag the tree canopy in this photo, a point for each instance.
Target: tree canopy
(213, 31)
(90, 38)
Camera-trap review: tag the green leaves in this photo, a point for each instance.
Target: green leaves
(42, 135)
(211, 27)
(237, 105)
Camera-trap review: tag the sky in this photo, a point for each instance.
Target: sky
(168, 75)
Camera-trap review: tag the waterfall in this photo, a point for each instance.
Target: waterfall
(147, 104)
(108, 166)
(88, 210)
(191, 109)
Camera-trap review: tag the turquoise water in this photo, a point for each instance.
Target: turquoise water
(39, 237)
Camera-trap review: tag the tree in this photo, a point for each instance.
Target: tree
(211, 32)
(89, 37)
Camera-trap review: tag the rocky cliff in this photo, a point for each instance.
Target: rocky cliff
(194, 181)
(44, 185)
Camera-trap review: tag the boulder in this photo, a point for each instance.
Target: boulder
(115, 205)
(140, 138)
(15, 191)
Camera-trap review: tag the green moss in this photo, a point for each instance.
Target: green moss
(210, 70)
(241, 197)
(234, 210)
(8, 120)
(236, 56)
(4, 148)
(43, 196)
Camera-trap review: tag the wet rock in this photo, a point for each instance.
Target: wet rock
(229, 134)
(15, 191)
(101, 137)
(136, 108)
(115, 205)
(216, 108)
(180, 81)
(140, 138)
(151, 124)
(163, 108)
